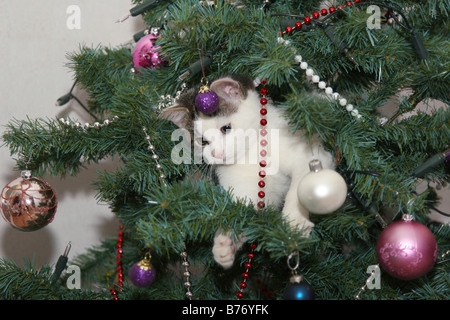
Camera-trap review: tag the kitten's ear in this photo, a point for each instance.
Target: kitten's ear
(228, 89)
(180, 116)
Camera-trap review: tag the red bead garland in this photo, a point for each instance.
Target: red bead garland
(315, 16)
(261, 183)
(245, 275)
(119, 265)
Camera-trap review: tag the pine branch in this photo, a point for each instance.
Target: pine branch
(27, 283)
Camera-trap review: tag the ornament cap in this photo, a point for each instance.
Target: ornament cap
(204, 88)
(26, 174)
(145, 264)
(315, 165)
(407, 217)
(296, 278)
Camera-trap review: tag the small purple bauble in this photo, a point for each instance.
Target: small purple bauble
(406, 249)
(206, 101)
(142, 274)
(146, 55)
(447, 156)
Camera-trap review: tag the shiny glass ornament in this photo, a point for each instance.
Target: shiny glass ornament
(28, 203)
(406, 249)
(142, 274)
(298, 290)
(322, 191)
(206, 101)
(146, 55)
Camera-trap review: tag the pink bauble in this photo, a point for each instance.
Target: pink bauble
(146, 55)
(406, 249)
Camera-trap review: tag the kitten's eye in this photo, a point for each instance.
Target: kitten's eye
(203, 142)
(225, 128)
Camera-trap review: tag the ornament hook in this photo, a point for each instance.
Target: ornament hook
(204, 81)
(296, 255)
(295, 278)
(410, 203)
(409, 216)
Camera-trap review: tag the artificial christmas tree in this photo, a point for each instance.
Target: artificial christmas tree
(331, 67)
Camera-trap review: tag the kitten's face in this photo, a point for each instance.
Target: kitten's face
(223, 136)
(213, 135)
(222, 140)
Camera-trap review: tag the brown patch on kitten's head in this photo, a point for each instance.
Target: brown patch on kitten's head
(182, 113)
(231, 88)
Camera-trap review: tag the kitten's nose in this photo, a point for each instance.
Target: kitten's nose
(217, 154)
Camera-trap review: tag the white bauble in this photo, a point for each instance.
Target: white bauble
(322, 191)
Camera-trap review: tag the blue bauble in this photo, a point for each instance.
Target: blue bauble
(299, 291)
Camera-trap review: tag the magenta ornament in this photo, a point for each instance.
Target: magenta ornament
(406, 249)
(142, 274)
(146, 55)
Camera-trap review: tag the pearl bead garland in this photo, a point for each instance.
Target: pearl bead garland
(168, 100)
(87, 126)
(162, 177)
(308, 70)
(155, 157)
(187, 274)
(322, 84)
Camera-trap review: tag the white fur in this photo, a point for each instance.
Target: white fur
(237, 164)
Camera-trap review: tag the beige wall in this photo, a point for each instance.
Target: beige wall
(34, 40)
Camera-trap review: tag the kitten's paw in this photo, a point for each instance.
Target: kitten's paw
(224, 249)
(304, 226)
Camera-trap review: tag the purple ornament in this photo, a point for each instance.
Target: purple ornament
(206, 100)
(447, 156)
(146, 55)
(406, 249)
(142, 273)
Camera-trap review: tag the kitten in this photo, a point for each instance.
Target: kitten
(229, 140)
